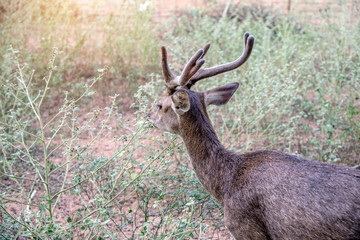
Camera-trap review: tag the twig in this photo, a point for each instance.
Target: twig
(99, 168)
(5, 124)
(22, 178)
(22, 224)
(13, 200)
(127, 185)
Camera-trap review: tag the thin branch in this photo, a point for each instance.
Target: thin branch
(89, 144)
(79, 98)
(22, 178)
(22, 224)
(127, 185)
(13, 200)
(96, 170)
(47, 80)
(33, 135)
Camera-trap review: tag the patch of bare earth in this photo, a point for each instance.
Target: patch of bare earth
(68, 203)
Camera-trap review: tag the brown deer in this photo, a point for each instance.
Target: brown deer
(264, 194)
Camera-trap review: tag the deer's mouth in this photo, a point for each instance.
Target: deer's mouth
(151, 120)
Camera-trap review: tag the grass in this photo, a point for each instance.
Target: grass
(298, 93)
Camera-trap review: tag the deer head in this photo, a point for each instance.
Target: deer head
(180, 99)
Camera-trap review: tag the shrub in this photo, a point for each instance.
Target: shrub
(297, 94)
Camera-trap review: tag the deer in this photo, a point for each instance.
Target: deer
(265, 194)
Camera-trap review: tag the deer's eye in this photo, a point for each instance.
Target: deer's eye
(158, 106)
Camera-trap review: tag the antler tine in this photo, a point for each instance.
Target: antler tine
(165, 67)
(192, 67)
(212, 71)
(206, 48)
(194, 64)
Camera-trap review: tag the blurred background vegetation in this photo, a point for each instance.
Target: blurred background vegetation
(78, 158)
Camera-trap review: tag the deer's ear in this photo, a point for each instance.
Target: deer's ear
(180, 102)
(220, 95)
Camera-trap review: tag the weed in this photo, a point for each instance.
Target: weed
(298, 93)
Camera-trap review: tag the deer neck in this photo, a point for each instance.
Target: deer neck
(209, 158)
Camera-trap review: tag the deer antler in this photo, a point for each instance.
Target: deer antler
(192, 72)
(212, 71)
(194, 64)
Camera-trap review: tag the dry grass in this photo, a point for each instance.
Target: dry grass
(298, 94)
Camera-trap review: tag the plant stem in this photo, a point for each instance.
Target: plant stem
(171, 144)
(22, 224)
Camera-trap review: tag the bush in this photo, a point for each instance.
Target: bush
(52, 163)
(297, 94)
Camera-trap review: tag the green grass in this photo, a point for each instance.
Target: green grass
(299, 93)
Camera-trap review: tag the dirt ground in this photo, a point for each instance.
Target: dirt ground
(163, 9)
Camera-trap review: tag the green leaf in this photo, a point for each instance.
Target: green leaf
(69, 220)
